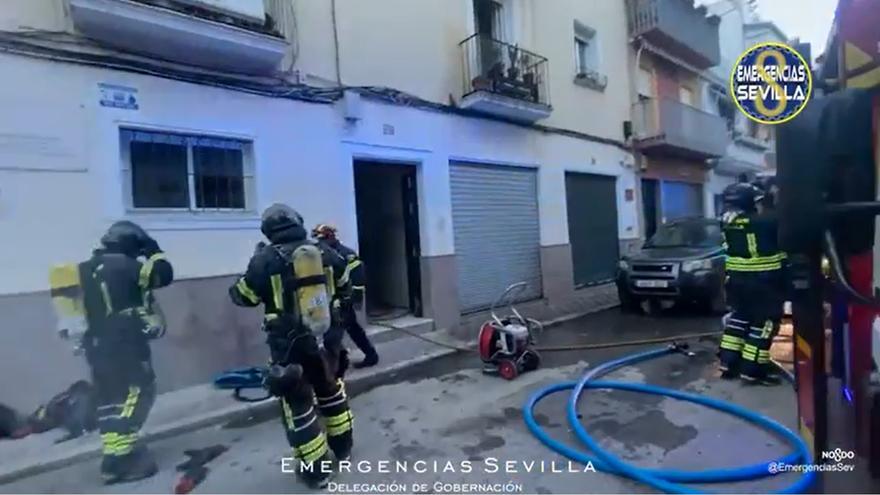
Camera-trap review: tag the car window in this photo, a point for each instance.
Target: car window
(686, 234)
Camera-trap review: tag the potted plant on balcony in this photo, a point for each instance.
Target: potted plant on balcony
(514, 55)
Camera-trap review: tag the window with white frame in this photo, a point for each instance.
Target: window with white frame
(586, 49)
(171, 171)
(645, 83)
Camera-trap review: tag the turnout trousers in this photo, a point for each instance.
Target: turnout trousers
(756, 299)
(319, 397)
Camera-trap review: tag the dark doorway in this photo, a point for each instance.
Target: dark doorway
(388, 237)
(650, 202)
(592, 227)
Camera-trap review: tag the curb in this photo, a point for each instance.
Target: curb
(242, 410)
(237, 411)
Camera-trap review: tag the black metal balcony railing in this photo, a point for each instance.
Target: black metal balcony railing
(504, 69)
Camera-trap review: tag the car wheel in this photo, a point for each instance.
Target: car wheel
(718, 304)
(628, 303)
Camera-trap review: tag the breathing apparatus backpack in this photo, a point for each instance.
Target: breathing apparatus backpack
(308, 288)
(69, 285)
(67, 294)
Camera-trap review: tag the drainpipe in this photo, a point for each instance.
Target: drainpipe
(637, 158)
(336, 42)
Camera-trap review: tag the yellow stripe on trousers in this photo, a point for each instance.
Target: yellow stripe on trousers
(339, 424)
(313, 450)
(130, 402)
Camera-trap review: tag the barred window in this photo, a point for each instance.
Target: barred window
(186, 172)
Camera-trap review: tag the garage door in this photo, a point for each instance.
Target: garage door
(495, 223)
(681, 200)
(592, 227)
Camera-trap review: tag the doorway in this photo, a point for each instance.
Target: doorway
(592, 227)
(388, 237)
(650, 201)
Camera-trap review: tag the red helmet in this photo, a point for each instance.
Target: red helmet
(324, 231)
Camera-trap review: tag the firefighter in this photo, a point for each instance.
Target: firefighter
(123, 318)
(755, 286)
(350, 291)
(291, 279)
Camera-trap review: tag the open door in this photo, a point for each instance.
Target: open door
(412, 240)
(388, 237)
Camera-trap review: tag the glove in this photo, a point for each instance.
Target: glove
(282, 380)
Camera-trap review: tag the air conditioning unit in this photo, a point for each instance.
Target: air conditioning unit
(247, 10)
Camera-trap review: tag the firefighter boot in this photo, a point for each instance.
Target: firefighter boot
(137, 465)
(766, 380)
(729, 372)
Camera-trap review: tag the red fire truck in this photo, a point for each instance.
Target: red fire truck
(828, 160)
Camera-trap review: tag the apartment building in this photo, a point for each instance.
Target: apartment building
(751, 146)
(460, 145)
(674, 44)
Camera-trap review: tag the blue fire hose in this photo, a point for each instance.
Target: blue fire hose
(666, 480)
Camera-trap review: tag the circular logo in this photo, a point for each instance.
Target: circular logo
(771, 83)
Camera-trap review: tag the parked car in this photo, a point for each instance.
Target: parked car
(682, 262)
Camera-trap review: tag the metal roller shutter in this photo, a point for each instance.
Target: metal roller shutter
(592, 227)
(497, 237)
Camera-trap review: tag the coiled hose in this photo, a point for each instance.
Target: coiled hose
(666, 480)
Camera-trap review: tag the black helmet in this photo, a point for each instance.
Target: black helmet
(124, 237)
(741, 196)
(279, 218)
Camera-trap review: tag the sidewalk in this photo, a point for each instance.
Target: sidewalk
(197, 407)
(201, 406)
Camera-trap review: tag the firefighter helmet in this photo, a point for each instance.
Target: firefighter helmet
(278, 218)
(324, 231)
(741, 196)
(124, 237)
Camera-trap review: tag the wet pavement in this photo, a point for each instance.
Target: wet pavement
(446, 423)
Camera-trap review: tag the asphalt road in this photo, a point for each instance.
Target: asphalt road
(449, 416)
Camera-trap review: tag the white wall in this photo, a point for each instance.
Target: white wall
(715, 185)
(730, 34)
(432, 139)
(413, 46)
(61, 184)
(33, 14)
(57, 216)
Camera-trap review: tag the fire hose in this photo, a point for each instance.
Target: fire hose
(667, 480)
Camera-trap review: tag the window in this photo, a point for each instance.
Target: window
(186, 172)
(727, 111)
(645, 83)
(488, 19)
(752, 129)
(586, 49)
(686, 95)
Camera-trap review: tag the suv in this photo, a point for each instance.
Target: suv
(682, 262)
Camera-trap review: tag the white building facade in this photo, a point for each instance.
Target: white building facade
(455, 159)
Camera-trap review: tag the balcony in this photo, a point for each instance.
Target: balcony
(677, 27)
(504, 80)
(668, 127)
(182, 32)
(744, 155)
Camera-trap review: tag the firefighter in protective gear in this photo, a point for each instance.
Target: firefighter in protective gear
(122, 319)
(303, 375)
(755, 286)
(349, 290)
